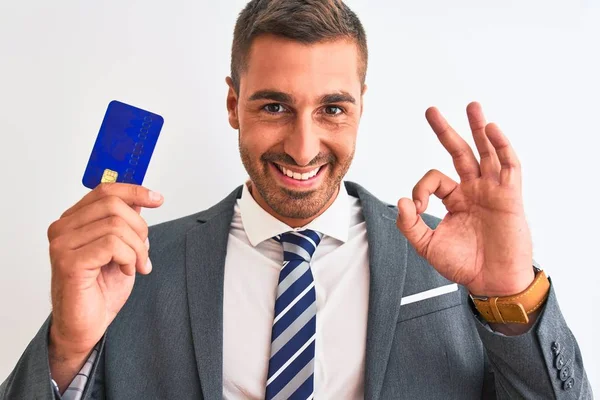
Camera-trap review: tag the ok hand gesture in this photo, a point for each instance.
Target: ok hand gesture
(483, 242)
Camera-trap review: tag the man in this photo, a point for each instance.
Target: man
(298, 285)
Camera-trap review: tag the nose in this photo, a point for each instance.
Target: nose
(303, 142)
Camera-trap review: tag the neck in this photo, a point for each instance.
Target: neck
(292, 222)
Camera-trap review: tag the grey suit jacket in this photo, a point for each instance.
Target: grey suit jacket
(167, 341)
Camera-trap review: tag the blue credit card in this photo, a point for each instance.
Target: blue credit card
(124, 145)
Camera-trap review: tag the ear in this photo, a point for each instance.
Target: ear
(362, 96)
(232, 103)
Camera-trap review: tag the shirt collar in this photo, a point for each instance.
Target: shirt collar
(260, 225)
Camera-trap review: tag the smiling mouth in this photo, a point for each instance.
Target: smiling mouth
(299, 176)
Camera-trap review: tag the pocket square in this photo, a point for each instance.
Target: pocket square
(438, 291)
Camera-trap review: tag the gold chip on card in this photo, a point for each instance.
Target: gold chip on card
(109, 176)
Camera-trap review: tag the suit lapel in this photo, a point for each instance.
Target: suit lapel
(387, 265)
(206, 247)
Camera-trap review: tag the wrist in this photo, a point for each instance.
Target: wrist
(515, 329)
(64, 350)
(516, 308)
(64, 361)
(506, 285)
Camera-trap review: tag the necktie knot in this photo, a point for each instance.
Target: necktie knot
(299, 245)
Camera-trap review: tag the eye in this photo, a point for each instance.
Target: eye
(333, 110)
(274, 108)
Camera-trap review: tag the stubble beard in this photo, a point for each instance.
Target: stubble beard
(293, 203)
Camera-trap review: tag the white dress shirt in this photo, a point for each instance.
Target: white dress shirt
(340, 269)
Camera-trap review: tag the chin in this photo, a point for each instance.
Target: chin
(299, 204)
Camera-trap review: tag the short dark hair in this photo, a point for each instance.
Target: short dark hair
(306, 21)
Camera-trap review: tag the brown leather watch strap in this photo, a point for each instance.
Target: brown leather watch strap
(514, 309)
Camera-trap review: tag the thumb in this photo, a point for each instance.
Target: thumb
(412, 226)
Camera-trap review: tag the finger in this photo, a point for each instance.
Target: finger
(462, 155)
(488, 159)
(133, 195)
(433, 182)
(510, 173)
(103, 208)
(413, 227)
(108, 226)
(103, 251)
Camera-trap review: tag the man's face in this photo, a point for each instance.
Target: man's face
(297, 113)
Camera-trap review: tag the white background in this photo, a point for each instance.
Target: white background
(532, 64)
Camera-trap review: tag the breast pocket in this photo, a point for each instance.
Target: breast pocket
(430, 301)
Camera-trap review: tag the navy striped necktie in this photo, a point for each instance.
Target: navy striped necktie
(291, 366)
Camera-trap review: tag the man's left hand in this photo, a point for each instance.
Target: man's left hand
(483, 242)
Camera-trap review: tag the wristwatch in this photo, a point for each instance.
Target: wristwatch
(516, 308)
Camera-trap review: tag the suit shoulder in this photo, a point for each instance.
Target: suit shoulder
(175, 227)
(179, 227)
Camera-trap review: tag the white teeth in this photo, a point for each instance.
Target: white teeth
(298, 176)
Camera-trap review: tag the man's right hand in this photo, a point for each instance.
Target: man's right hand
(96, 247)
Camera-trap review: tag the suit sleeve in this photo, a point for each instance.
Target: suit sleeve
(78, 385)
(544, 363)
(30, 379)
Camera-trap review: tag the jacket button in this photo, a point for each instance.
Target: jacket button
(556, 348)
(565, 372)
(560, 361)
(569, 384)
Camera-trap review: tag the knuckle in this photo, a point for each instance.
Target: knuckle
(111, 242)
(432, 172)
(55, 246)
(116, 223)
(103, 189)
(426, 178)
(53, 230)
(112, 204)
(459, 153)
(136, 192)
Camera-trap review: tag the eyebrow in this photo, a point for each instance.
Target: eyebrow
(273, 95)
(282, 97)
(341, 97)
